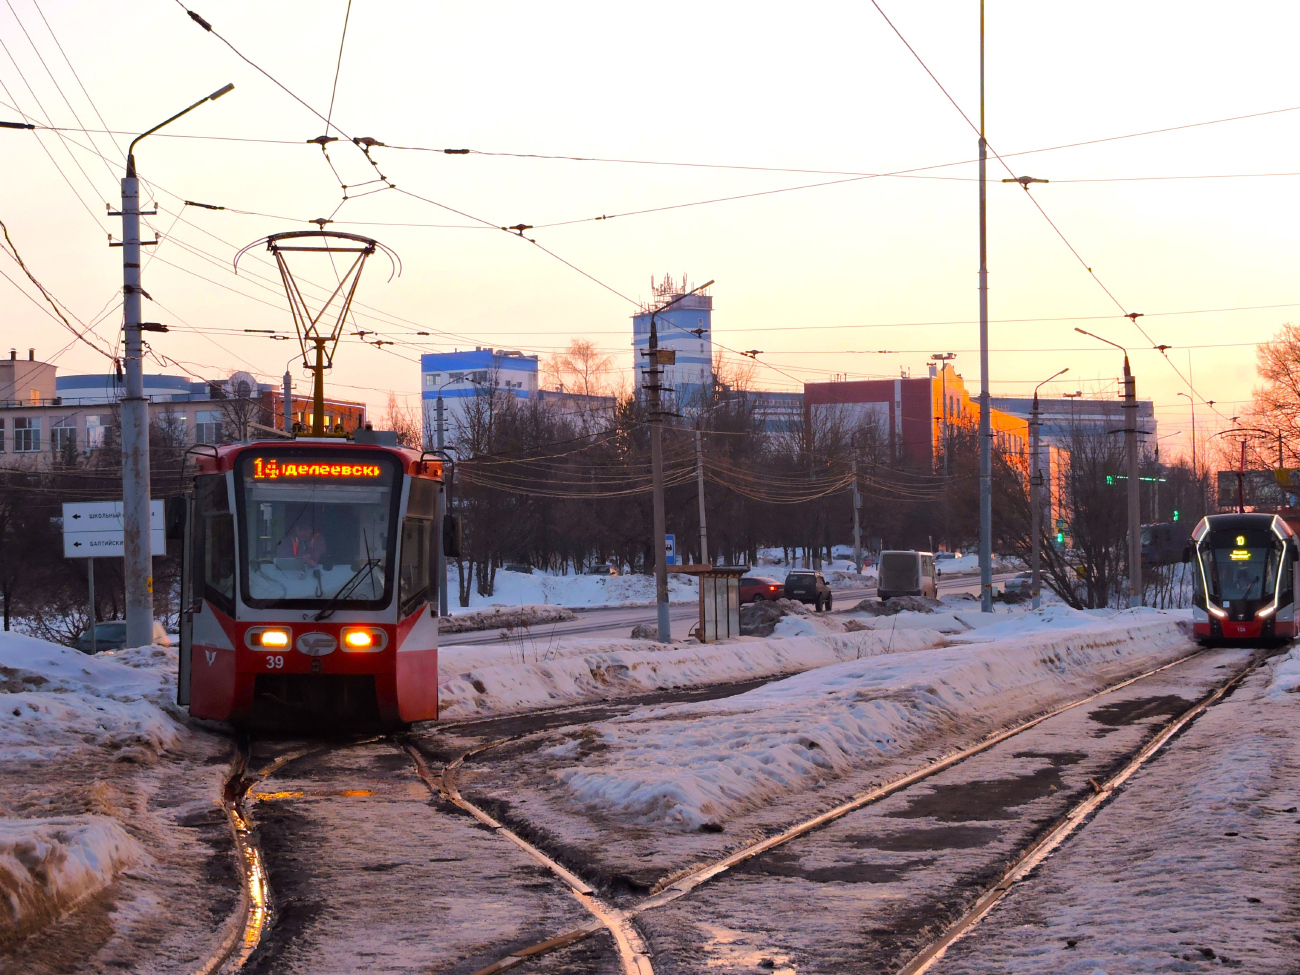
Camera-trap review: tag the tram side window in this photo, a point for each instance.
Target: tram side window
(413, 580)
(212, 545)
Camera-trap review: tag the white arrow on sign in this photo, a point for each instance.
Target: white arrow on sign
(93, 529)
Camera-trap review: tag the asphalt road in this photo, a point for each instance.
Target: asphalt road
(682, 616)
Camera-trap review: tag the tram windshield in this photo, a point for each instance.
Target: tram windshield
(1241, 565)
(317, 528)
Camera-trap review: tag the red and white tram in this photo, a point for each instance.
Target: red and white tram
(309, 591)
(1245, 584)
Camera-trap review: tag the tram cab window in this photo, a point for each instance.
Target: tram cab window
(1242, 565)
(212, 544)
(416, 568)
(316, 529)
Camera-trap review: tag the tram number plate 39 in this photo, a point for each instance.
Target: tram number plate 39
(275, 662)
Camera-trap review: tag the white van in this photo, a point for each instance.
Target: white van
(907, 574)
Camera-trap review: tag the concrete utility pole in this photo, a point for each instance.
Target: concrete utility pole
(656, 360)
(699, 479)
(857, 526)
(1134, 482)
(439, 427)
(288, 402)
(1035, 493)
(137, 551)
(1134, 475)
(986, 421)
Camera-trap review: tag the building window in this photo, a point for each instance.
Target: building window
(207, 427)
(94, 432)
(27, 434)
(2, 436)
(63, 434)
(431, 378)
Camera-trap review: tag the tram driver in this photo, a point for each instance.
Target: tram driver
(303, 542)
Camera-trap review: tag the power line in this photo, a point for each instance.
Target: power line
(337, 68)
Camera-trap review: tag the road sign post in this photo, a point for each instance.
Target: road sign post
(92, 529)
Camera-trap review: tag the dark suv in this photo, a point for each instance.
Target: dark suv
(808, 587)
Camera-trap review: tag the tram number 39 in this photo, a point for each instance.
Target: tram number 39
(274, 663)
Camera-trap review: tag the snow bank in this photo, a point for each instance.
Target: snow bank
(544, 588)
(1285, 680)
(47, 865)
(59, 700)
(490, 679)
(691, 764)
(501, 617)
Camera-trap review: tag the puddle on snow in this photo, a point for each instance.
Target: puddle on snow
(989, 799)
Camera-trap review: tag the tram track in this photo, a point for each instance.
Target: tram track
(679, 886)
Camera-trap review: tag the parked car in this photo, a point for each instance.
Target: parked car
(754, 589)
(517, 567)
(808, 587)
(1023, 584)
(944, 556)
(906, 573)
(112, 636)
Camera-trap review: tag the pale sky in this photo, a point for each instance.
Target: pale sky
(818, 279)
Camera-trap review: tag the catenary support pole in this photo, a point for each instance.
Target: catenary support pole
(288, 402)
(137, 560)
(699, 479)
(442, 555)
(655, 374)
(90, 587)
(1036, 504)
(986, 424)
(1134, 475)
(857, 522)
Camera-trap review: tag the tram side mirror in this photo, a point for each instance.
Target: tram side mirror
(175, 512)
(451, 536)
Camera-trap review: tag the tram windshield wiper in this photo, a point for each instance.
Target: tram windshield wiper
(347, 589)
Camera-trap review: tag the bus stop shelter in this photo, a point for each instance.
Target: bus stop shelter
(719, 600)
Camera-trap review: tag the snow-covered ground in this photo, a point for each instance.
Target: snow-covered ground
(573, 591)
(1191, 867)
(690, 764)
(102, 782)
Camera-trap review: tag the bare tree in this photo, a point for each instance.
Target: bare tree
(403, 420)
(580, 368)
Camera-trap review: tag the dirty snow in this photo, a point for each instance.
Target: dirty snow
(691, 764)
(48, 865)
(478, 680)
(61, 700)
(1190, 868)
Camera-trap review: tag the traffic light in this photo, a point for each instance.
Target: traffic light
(1175, 514)
(1110, 478)
(1060, 538)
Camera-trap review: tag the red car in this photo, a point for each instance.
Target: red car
(754, 589)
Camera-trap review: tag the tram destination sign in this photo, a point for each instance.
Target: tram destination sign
(273, 468)
(93, 529)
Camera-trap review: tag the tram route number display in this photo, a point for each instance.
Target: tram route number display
(271, 469)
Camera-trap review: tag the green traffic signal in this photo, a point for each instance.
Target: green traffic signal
(1110, 478)
(1175, 514)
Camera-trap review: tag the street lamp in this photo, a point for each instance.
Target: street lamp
(1131, 450)
(1035, 489)
(137, 552)
(943, 358)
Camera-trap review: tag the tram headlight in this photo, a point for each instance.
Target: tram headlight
(363, 639)
(1216, 611)
(1266, 612)
(272, 639)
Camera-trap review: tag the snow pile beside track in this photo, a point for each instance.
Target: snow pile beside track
(48, 865)
(692, 764)
(501, 617)
(1285, 681)
(58, 700)
(487, 680)
(548, 589)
